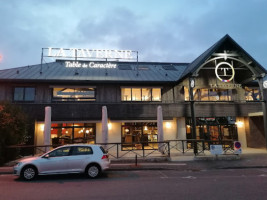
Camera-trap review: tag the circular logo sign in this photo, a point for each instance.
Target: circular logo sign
(265, 84)
(224, 71)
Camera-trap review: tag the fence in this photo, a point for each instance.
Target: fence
(199, 146)
(142, 149)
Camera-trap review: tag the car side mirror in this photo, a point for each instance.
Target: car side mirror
(46, 156)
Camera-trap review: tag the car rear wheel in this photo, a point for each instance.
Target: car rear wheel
(29, 173)
(93, 171)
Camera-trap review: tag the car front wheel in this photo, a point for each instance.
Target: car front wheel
(29, 173)
(93, 171)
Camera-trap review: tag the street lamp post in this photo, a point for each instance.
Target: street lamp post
(192, 107)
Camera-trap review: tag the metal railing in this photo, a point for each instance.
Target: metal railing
(201, 146)
(141, 149)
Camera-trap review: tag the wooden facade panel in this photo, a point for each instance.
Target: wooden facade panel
(136, 111)
(43, 94)
(167, 94)
(255, 133)
(107, 93)
(224, 109)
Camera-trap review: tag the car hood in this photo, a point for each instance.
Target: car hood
(29, 159)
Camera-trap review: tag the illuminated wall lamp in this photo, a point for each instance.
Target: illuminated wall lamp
(109, 126)
(42, 127)
(168, 125)
(239, 124)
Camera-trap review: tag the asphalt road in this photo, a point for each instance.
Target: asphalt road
(144, 184)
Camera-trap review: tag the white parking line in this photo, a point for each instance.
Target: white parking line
(163, 175)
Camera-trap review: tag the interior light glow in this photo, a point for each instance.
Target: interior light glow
(168, 125)
(42, 127)
(109, 126)
(239, 124)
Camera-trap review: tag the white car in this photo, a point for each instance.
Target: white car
(76, 158)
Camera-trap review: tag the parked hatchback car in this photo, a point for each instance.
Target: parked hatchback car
(76, 158)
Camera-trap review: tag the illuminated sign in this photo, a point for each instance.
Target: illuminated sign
(225, 85)
(90, 53)
(225, 71)
(76, 64)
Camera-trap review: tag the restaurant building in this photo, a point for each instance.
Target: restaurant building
(221, 95)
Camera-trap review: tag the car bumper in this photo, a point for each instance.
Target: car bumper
(16, 171)
(105, 165)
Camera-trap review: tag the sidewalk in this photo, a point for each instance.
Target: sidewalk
(250, 158)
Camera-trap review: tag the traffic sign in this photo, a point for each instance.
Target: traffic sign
(237, 147)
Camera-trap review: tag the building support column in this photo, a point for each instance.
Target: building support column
(47, 128)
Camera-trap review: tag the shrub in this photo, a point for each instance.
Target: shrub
(13, 130)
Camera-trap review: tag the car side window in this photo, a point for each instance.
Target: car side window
(60, 152)
(82, 151)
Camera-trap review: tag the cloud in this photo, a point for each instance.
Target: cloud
(174, 31)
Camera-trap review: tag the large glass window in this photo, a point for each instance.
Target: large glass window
(67, 133)
(24, 94)
(74, 94)
(209, 94)
(138, 135)
(141, 94)
(252, 94)
(213, 128)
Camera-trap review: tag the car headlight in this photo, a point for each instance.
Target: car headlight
(18, 164)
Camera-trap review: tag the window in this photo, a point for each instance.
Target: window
(73, 94)
(82, 151)
(252, 94)
(24, 94)
(146, 94)
(66, 133)
(126, 94)
(141, 94)
(209, 94)
(213, 128)
(156, 94)
(137, 135)
(136, 94)
(60, 152)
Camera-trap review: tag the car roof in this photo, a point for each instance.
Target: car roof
(73, 145)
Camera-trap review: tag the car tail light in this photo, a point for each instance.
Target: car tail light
(104, 157)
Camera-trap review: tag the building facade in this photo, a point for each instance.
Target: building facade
(219, 96)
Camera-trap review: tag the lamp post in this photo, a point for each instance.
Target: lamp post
(192, 107)
(263, 92)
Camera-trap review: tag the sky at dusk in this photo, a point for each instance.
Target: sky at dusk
(161, 31)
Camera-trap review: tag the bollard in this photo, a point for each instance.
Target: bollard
(135, 160)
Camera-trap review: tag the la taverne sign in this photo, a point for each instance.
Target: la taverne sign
(89, 53)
